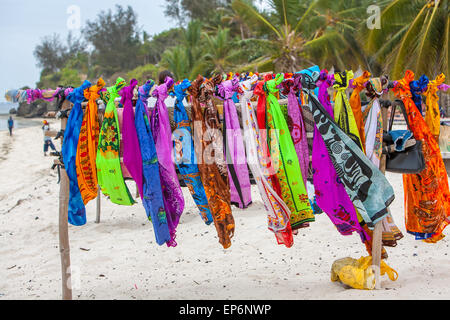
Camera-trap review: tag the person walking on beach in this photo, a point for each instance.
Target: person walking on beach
(10, 125)
(47, 140)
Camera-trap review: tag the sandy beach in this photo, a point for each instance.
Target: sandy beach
(119, 259)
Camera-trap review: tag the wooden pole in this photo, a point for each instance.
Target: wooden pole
(64, 245)
(377, 241)
(99, 203)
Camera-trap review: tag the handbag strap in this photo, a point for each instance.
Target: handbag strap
(398, 103)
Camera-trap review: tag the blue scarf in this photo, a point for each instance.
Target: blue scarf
(185, 157)
(417, 88)
(152, 192)
(77, 210)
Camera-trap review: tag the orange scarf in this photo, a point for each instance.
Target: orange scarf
(433, 115)
(88, 144)
(427, 196)
(355, 102)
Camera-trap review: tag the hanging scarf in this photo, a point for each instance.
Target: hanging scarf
(417, 87)
(77, 210)
(284, 157)
(373, 124)
(185, 154)
(211, 163)
(132, 158)
(240, 187)
(331, 195)
(162, 134)
(278, 212)
(343, 114)
(109, 172)
(261, 119)
(359, 85)
(427, 196)
(433, 115)
(296, 125)
(366, 186)
(88, 144)
(152, 197)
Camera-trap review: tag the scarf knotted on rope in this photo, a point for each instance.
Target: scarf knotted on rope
(261, 119)
(132, 158)
(433, 115)
(162, 134)
(109, 171)
(240, 187)
(366, 186)
(185, 157)
(343, 114)
(88, 144)
(208, 146)
(331, 195)
(295, 123)
(152, 197)
(77, 210)
(427, 196)
(284, 158)
(355, 102)
(278, 212)
(417, 87)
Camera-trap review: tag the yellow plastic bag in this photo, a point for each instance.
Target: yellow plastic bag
(359, 274)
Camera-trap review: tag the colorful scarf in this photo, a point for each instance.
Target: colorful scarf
(427, 196)
(77, 210)
(211, 163)
(359, 85)
(343, 114)
(152, 197)
(417, 87)
(185, 155)
(366, 186)
(284, 157)
(240, 187)
(278, 212)
(132, 158)
(109, 172)
(88, 144)
(373, 124)
(295, 123)
(162, 134)
(331, 195)
(433, 115)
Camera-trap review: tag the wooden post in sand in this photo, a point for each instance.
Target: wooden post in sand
(64, 245)
(377, 241)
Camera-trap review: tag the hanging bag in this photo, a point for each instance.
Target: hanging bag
(404, 153)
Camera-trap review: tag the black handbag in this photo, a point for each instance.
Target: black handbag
(409, 161)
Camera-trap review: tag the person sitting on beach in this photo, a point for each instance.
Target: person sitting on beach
(47, 140)
(10, 125)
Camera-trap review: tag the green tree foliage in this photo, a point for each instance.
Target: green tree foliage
(144, 73)
(187, 10)
(414, 34)
(115, 38)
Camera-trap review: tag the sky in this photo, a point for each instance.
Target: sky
(23, 24)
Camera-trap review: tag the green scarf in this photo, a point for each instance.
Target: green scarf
(109, 172)
(285, 160)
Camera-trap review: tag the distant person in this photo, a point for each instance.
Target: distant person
(47, 140)
(10, 125)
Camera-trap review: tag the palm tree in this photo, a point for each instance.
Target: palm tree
(414, 34)
(281, 28)
(221, 52)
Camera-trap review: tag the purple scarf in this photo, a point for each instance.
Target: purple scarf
(132, 158)
(238, 174)
(331, 196)
(296, 124)
(162, 134)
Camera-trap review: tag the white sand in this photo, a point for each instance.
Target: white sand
(124, 262)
